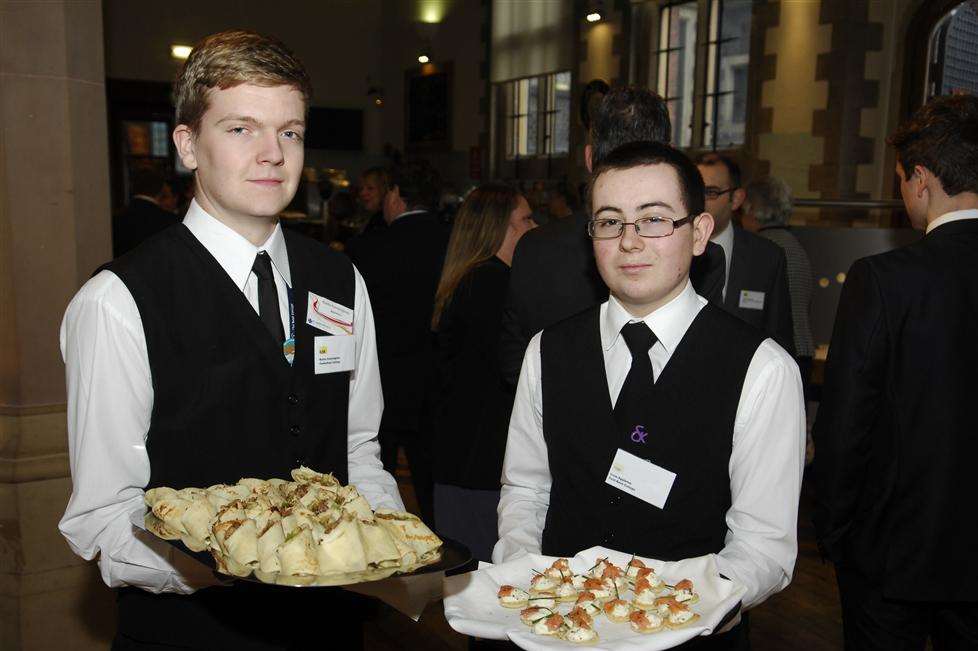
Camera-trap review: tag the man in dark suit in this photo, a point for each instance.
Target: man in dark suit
(895, 434)
(553, 274)
(149, 211)
(401, 265)
(756, 287)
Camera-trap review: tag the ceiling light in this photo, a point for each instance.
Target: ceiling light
(423, 58)
(180, 51)
(593, 17)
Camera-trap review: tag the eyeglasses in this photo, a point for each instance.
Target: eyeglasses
(716, 193)
(654, 226)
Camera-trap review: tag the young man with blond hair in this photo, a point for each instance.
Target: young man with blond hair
(193, 360)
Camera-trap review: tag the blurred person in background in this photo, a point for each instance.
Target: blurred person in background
(374, 183)
(563, 204)
(401, 264)
(341, 209)
(474, 401)
(149, 211)
(895, 469)
(755, 287)
(767, 208)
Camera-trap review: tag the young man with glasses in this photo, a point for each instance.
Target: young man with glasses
(656, 374)
(756, 287)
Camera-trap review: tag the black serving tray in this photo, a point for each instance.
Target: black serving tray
(453, 555)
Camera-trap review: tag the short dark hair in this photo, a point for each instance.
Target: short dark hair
(640, 154)
(628, 114)
(733, 168)
(942, 136)
(418, 183)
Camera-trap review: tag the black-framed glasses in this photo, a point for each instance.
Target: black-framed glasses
(716, 193)
(654, 226)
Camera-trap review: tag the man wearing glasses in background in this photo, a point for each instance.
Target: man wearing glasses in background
(686, 387)
(756, 287)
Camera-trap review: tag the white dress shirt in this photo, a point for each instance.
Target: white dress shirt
(725, 239)
(953, 216)
(110, 401)
(766, 460)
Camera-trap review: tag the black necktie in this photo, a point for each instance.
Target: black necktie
(631, 407)
(268, 310)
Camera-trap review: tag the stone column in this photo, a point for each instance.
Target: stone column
(54, 231)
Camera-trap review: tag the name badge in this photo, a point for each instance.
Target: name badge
(334, 354)
(329, 316)
(640, 478)
(751, 300)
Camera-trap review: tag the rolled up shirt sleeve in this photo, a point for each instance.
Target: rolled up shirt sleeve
(766, 466)
(366, 407)
(525, 495)
(110, 401)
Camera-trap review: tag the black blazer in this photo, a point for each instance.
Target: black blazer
(896, 437)
(474, 402)
(401, 265)
(554, 276)
(759, 265)
(139, 221)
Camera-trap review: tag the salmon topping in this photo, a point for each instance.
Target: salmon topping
(505, 591)
(554, 622)
(580, 618)
(612, 572)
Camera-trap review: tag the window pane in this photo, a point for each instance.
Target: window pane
(532, 119)
(732, 74)
(960, 52)
(161, 139)
(509, 102)
(680, 64)
(562, 97)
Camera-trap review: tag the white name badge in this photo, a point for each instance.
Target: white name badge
(329, 316)
(640, 478)
(334, 354)
(751, 300)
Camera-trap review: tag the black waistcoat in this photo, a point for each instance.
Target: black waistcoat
(228, 405)
(690, 429)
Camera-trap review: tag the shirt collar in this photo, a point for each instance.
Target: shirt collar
(234, 253)
(725, 238)
(669, 323)
(957, 215)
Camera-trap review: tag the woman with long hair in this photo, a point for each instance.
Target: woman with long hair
(473, 405)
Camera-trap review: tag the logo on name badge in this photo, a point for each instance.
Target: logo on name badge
(323, 350)
(639, 434)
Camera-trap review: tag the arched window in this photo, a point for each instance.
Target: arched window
(952, 52)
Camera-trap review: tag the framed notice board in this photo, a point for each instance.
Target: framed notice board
(428, 107)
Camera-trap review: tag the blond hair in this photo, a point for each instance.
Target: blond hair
(478, 232)
(228, 59)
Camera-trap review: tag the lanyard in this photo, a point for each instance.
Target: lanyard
(288, 348)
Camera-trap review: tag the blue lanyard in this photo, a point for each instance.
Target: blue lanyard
(291, 313)
(288, 347)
